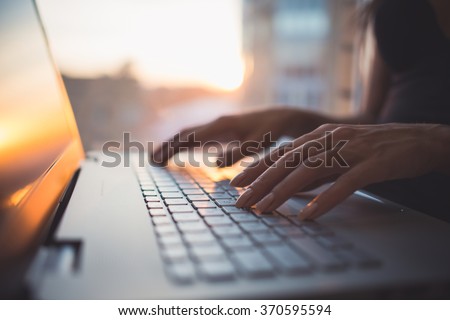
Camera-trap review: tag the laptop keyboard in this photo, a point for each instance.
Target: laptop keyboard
(202, 236)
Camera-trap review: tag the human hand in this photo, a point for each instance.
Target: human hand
(359, 155)
(250, 127)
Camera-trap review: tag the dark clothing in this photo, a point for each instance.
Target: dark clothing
(417, 52)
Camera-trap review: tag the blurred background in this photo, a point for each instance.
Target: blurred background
(152, 67)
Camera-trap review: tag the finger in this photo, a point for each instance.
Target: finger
(234, 154)
(302, 177)
(263, 184)
(345, 185)
(260, 165)
(250, 174)
(250, 146)
(172, 146)
(283, 166)
(188, 139)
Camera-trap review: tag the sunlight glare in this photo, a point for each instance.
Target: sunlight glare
(170, 43)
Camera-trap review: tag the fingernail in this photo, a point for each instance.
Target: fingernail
(265, 203)
(253, 164)
(308, 211)
(244, 198)
(238, 179)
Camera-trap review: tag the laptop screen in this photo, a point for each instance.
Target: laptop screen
(34, 127)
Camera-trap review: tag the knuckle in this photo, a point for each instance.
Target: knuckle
(223, 119)
(327, 127)
(344, 131)
(290, 160)
(186, 131)
(313, 162)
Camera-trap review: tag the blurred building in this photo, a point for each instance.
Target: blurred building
(299, 53)
(107, 106)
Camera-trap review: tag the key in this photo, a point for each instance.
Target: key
(166, 184)
(211, 212)
(182, 272)
(217, 270)
(323, 258)
(314, 229)
(186, 217)
(197, 197)
(157, 212)
(148, 187)
(169, 189)
(172, 195)
(175, 201)
(264, 238)
(149, 193)
(207, 184)
(169, 240)
(183, 180)
(273, 221)
(237, 243)
(152, 199)
(219, 195)
(287, 259)
(186, 185)
(226, 232)
(161, 220)
(209, 252)
(243, 217)
(289, 231)
(233, 209)
(174, 253)
(192, 191)
(218, 221)
(192, 227)
(224, 183)
(226, 202)
(180, 208)
(235, 192)
(154, 205)
(253, 264)
(212, 189)
(254, 226)
(166, 229)
(161, 176)
(199, 238)
(204, 204)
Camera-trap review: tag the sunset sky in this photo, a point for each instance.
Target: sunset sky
(170, 42)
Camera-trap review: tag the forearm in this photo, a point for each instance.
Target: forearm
(363, 117)
(441, 148)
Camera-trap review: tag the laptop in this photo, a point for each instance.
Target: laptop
(72, 228)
